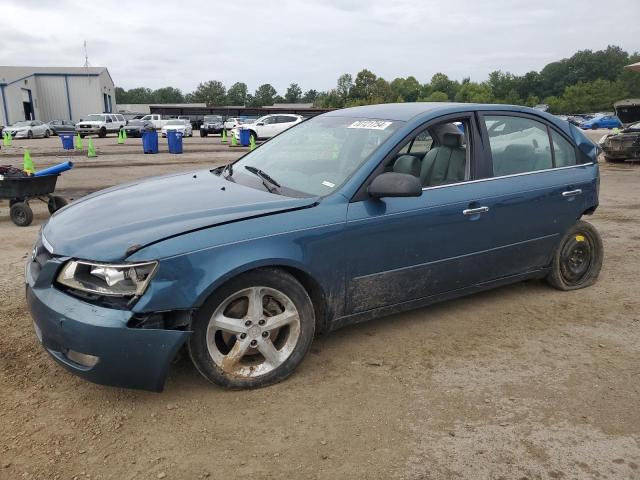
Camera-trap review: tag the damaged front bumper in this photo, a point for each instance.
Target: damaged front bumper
(94, 342)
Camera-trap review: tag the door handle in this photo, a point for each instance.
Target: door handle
(475, 211)
(572, 193)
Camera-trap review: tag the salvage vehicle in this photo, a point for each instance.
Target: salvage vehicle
(181, 126)
(348, 216)
(61, 126)
(135, 127)
(158, 121)
(211, 124)
(29, 129)
(624, 145)
(100, 124)
(268, 126)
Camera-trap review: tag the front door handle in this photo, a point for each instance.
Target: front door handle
(475, 211)
(572, 193)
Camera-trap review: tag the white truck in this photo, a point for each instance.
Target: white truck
(158, 121)
(100, 124)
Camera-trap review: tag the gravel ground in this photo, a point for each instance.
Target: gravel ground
(520, 382)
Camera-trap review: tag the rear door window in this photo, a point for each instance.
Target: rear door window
(518, 145)
(564, 152)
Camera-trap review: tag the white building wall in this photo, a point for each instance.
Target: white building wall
(15, 106)
(52, 98)
(85, 96)
(107, 86)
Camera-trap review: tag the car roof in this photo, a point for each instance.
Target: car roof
(410, 110)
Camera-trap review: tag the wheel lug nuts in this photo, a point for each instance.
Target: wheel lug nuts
(265, 334)
(243, 335)
(254, 343)
(261, 322)
(247, 323)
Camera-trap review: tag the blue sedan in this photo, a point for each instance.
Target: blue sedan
(604, 121)
(348, 216)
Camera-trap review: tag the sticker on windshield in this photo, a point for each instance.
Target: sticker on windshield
(370, 124)
(328, 184)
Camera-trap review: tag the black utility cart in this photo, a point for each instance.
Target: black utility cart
(20, 190)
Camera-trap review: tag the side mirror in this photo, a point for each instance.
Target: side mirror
(393, 184)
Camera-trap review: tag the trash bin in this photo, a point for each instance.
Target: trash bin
(175, 141)
(67, 142)
(245, 137)
(150, 141)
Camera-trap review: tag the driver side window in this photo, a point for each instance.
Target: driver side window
(438, 155)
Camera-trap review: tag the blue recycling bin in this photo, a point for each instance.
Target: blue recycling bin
(245, 137)
(150, 141)
(175, 141)
(67, 142)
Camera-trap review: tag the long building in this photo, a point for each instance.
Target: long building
(54, 93)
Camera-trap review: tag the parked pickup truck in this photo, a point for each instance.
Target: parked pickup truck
(158, 121)
(100, 124)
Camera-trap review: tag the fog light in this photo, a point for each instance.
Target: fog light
(82, 358)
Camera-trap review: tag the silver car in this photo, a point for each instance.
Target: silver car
(29, 129)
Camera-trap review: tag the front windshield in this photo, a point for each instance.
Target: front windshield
(175, 122)
(95, 118)
(22, 124)
(317, 156)
(136, 123)
(212, 118)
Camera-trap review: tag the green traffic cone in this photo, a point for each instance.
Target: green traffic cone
(252, 142)
(124, 134)
(234, 142)
(8, 140)
(120, 137)
(28, 163)
(79, 144)
(224, 135)
(91, 152)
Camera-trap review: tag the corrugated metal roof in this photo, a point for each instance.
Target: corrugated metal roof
(9, 74)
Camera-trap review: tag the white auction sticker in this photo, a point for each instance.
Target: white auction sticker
(370, 124)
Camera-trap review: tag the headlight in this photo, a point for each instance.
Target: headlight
(123, 280)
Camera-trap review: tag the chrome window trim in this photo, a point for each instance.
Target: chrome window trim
(508, 176)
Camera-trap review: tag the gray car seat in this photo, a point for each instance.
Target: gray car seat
(407, 164)
(446, 162)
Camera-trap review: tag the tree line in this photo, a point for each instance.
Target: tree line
(588, 81)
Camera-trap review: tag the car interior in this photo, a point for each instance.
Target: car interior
(438, 155)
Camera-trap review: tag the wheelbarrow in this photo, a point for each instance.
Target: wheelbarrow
(20, 190)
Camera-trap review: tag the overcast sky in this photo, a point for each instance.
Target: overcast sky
(181, 43)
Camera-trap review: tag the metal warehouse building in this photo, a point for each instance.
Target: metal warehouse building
(52, 93)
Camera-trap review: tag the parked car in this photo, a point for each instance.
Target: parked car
(601, 121)
(181, 126)
(61, 126)
(135, 127)
(268, 126)
(351, 215)
(100, 124)
(232, 122)
(211, 124)
(158, 121)
(29, 129)
(624, 145)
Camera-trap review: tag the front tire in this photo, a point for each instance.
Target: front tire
(29, 134)
(103, 132)
(578, 259)
(47, 134)
(253, 331)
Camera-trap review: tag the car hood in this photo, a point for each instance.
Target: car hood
(105, 225)
(174, 127)
(91, 122)
(17, 129)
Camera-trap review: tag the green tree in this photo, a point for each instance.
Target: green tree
(264, 95)
(167, 95)
(237, 94)
(293, 94)
(310, 96)
(363, 86)
(471, 92)
(435, 97)
(213, 93)
(345, 84)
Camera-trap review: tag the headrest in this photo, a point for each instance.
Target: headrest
(519, 149)
(407, 164)
(452, 140)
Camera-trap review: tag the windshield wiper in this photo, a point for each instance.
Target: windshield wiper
(228, 168)
(265, 178)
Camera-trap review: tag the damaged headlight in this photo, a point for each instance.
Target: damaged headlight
(123, 280)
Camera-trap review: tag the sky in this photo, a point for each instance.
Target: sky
(170, 43)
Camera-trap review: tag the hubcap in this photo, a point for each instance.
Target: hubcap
(253, 332)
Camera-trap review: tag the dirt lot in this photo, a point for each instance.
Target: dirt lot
(520, 382)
